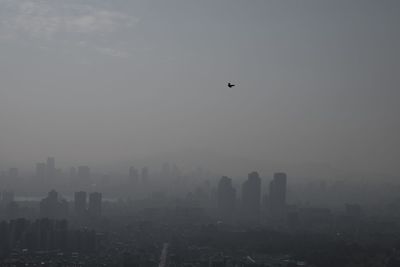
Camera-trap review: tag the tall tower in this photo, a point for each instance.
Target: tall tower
(251, 198)
(80, 202)
(277, 190)
(277, 196)
(53, 207)
(95, 202)
(226, 198)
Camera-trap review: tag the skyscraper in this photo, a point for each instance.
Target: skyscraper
(95, 202)
(251, 197)
(277, 196)
(226, 198)
(80, 201)
(53, 207)
(277, 190)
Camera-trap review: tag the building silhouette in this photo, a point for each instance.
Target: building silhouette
(251, 198)
(80, 203)
(52, 207)
(95, 205)
(226, 199)
(44, 235)
(276, 202)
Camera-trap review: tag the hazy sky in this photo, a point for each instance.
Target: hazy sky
(97, 80)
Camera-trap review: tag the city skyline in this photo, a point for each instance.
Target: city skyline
(187, 133)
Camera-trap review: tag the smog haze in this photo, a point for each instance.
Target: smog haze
(103, 82)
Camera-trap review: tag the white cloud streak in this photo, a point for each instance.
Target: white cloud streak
(48, 20)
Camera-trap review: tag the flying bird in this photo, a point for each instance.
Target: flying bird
(230, 85)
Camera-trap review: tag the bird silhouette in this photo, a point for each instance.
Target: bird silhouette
(230, 85)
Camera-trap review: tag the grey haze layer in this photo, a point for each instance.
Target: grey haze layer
(103, 81)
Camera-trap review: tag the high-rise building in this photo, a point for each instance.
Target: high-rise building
(80, 202)
(251, 198)
(226, 199)
(276, 202)
(53, 207)
(95, 203)
(50, 168)
(277, 190)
